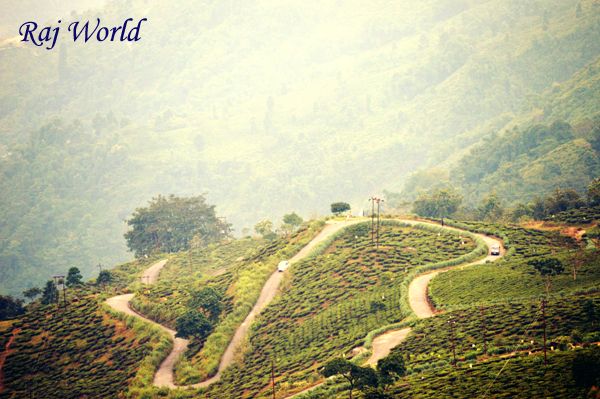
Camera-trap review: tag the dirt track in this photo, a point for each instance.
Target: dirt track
(164, 376)
(417, 296)
(418, 299)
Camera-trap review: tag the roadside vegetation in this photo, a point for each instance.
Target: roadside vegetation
(331, 301)
(73, 348)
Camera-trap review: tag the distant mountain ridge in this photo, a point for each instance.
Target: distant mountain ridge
(268, 108)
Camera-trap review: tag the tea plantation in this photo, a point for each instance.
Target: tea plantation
(73, 352)
(512, 278)
(238, 270)
(486, 342)
(331, 302)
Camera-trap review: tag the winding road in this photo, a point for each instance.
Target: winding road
(164, 376)
(382, 344)
(418, 299)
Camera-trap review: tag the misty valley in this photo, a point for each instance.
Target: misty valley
(257, 199)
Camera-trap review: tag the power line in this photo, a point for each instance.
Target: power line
(375, 228)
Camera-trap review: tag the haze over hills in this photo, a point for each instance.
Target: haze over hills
(271, 107)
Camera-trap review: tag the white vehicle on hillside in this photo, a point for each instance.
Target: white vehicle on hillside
(283, 265)
(495, 250)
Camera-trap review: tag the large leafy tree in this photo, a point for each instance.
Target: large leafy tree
(293, 219)
(208, 302)
(193, 324)
(586, 368)
(391, 369)
(491, 208)
(265, 229)
(438, 203)
(50, 293)
(10, 307)
(337, 208)
(168, 224)
(74, 277)
(357, 377)
(31, 293)
(104, 277)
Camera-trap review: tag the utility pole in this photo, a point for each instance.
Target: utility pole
(64, 294)
(379, 200)
(544, 327)
(373, 199)
(273, 376)
(451, 322)
(484, 330)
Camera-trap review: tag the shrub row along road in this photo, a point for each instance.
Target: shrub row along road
(418, 299)
(164, 376)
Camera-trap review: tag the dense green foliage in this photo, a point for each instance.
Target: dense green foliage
(338, 208)
(292, 219)
(317, 120)
(586, 368)
(208, 302)
(73, 277)
(547, 266)
(32, 293)
(10, 307)
(168, 224)
(54, 207)
(521, 164)
(50, 293)
(357, 377)
(439, 203)
(193, 324)
(313, 321)
(104, 277)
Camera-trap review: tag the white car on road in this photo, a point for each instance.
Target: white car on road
(495, 250)
(283, 265)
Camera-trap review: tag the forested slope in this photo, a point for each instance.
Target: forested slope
(312, 104)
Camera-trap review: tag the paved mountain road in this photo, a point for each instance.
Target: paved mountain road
(164, 376)
(382, 345)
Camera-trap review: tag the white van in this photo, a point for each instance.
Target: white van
(495, 250)
(283, 265)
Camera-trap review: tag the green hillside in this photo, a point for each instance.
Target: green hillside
(330, 304)
(230, 96)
